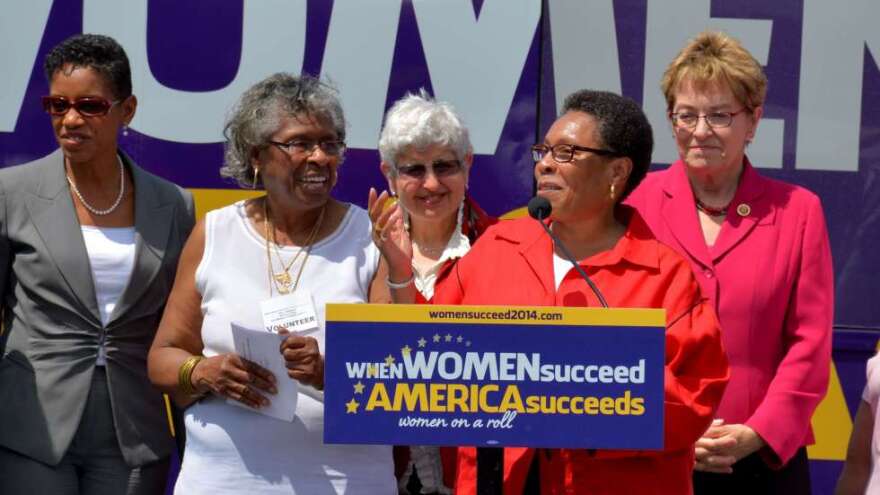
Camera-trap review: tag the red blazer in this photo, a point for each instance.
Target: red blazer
(512, 264)
(769, 277)
(475, 221)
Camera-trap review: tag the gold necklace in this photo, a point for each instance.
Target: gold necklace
(283, 282)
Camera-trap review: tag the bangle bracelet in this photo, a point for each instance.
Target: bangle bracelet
(184, 375)
(400, 285)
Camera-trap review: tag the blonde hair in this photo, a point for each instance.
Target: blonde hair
(715, 57)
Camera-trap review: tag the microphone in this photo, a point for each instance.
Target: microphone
(539, 209)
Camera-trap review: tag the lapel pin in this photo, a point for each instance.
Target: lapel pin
(743, 210)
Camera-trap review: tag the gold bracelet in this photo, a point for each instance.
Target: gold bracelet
(184, 374)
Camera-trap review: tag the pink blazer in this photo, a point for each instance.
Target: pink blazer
(769, 277)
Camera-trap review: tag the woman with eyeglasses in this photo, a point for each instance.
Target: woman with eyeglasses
(592, 157)
(294, 248)
(88, 246)
(760, 251)
(426, 158)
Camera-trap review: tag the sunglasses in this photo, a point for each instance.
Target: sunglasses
(441, 168)
(89, 106)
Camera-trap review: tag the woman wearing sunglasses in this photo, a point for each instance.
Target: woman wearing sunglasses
(592, 157)
(760, 251)
(426, 158)
(89, 246)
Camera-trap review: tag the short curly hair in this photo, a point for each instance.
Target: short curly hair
(418, 121)
(714, 57)
(95, 51)
(623, 128)
(260, 110)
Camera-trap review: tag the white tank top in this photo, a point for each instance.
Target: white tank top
(233, 450)
(111, 257)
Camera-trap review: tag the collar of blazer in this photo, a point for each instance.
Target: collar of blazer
(51, 209)
(679, 212)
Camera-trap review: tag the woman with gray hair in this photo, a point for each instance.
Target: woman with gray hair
(297, 248)
(426, 158)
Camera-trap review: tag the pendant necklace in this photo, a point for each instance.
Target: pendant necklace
(284, 283)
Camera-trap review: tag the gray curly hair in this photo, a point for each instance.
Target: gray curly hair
(418, 121)
(259, 112)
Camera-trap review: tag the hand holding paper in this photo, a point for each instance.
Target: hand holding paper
(230, 376)
(303, 359)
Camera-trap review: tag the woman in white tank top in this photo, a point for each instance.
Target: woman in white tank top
(286, 135)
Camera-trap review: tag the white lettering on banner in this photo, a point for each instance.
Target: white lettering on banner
(476, 64)
(670, 24)
(357, 59)
(584, 47)
(835, 39)
(490, 366)
(20, 35)
(273, 39)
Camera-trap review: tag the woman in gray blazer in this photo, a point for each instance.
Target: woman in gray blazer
(89, 243)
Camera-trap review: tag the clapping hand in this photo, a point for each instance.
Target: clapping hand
(389, 234)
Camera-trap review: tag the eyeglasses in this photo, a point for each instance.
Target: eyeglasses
(88, 106)
(440, 168)
(302, 147)
(715, 120)
(564, 153)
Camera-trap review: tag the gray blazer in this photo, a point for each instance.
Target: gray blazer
(51, 319)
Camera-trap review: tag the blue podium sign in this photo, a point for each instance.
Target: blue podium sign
(494, 376)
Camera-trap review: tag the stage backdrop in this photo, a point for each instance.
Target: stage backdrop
(505, 65)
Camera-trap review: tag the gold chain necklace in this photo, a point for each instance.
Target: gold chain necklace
(283, 282)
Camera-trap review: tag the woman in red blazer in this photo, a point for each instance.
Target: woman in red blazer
(426, 158)
(760, 251)
(591, 158)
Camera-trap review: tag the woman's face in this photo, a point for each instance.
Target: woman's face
(579, 189)
(430, 183)
(82, 137)
(299, 172)
(713, 149)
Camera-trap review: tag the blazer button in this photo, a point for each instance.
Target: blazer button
(708, 273)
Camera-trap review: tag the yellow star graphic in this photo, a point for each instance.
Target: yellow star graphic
(351, 407)
(389, 360)
(448, 338)
(358, 388)
(459, 339)
(436, 338)
(405, 350)
(422, 342)
(372, 370)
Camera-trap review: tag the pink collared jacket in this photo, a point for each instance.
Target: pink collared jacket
(769, 277)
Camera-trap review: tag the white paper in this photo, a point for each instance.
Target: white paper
(295, 312)
(263, 348)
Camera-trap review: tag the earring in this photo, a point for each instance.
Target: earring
(125, 130)
(612, 192)
(256, 176)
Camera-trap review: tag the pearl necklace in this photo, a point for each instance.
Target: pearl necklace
(115, 203)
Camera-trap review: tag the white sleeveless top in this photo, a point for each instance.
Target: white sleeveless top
(111, 253)
(230, 450)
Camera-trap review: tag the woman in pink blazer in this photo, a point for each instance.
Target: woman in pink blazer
(760, 251)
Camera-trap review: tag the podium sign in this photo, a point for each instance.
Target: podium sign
(494, 376)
